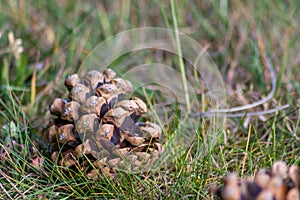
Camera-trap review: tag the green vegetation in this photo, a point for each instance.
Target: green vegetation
(43, 41)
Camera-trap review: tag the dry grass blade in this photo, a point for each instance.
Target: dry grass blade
(246, 151)
(12, 184)
(4, 190)
(33, 90)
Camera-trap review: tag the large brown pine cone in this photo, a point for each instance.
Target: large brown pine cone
(99, 123)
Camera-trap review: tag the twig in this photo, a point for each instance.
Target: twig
(224, 112)
(243, 114)
(257, 103)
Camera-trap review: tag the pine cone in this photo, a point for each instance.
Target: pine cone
(99, 123)
(279, 183)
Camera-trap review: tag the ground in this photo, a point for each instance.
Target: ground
(41, 42)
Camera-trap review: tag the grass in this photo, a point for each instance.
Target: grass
(56, 37)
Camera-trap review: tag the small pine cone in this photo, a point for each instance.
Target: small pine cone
(99, 123)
